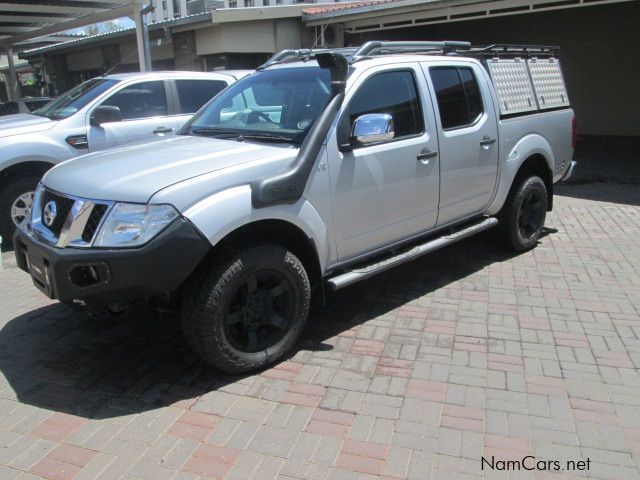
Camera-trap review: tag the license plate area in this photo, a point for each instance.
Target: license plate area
(39, 269)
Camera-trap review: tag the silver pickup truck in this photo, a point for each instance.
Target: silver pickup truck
(321, 169)
(98, 114)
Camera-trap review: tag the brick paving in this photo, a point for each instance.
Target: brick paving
(415, 374)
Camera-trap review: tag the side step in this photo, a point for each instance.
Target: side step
(368, 271)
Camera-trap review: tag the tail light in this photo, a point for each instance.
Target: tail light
(574, 132)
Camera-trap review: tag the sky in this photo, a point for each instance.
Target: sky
(104, 27)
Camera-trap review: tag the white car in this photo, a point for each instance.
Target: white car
(100, 113)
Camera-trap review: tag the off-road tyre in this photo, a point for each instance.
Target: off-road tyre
(220, 283)
(522, 218)
(8, 195)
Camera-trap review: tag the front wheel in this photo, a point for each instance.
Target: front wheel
(249, 310)
(16, 201)
(524, 214)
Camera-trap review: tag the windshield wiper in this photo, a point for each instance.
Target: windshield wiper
(227, 133)
(214, 132)
(269, 138)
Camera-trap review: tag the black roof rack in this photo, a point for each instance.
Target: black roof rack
(513, 50)
(303, 54)
(448, 47)
(386, 47)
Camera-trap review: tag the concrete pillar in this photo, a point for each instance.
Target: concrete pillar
(142, 37)
(158, 13)
(184, 51)
(13, 86)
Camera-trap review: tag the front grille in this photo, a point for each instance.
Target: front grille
(93, 222)
(63, 207)
(75, 223)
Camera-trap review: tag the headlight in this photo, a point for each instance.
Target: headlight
(130, 224)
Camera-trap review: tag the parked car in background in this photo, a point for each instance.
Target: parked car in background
(24, 105)
(98, 114)
(321, 169)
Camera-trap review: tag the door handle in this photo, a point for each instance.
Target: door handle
(486, 141)
(162, 130)
(426, 156)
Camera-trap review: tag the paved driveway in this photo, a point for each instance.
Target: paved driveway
(416, 374)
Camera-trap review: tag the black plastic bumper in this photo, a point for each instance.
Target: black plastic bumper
(104, 277)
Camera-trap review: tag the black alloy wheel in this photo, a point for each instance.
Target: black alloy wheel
(523, 215)
(246, 307)
(532, 213)
(260, 311)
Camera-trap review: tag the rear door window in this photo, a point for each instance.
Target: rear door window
(458, 95)
(193, 94)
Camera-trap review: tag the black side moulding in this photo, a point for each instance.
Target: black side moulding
(288, 186)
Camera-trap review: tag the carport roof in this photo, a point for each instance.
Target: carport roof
(22, 20)
(370, 16)
(73, 42)
(329, 8)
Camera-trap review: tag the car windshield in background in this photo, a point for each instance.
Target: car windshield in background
(278, 105)
(9, 108)
(33, 105)
(70, 102)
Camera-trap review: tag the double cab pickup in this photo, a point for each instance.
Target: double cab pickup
(319, 170)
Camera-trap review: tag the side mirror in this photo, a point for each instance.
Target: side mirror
(105, 114)
(372, 128)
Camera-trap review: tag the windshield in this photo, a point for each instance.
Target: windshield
(70, 102)
(271, 105)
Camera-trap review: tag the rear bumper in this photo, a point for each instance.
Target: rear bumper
(569, 172)
(103, 277)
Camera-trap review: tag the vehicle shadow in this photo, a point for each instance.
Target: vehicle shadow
(602, 190)
(608, 170)
(104, 367)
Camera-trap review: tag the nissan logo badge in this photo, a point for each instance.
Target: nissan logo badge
(49, 213)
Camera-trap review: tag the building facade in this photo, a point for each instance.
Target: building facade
(596, 37)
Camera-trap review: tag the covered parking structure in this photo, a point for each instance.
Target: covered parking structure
(597, 38)
(23, 21)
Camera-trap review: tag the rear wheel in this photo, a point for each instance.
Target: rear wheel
(524, 214)
(16, 201)
(249, 310)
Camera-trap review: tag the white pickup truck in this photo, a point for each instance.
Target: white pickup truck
(319, 170)
(100, 113)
